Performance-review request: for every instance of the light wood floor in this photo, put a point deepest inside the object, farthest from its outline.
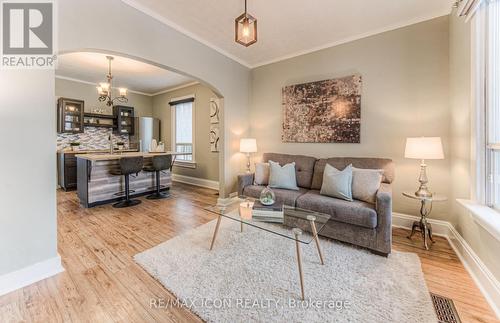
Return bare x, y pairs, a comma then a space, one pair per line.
102, 283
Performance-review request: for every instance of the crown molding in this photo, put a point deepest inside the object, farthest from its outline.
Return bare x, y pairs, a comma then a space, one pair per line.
176, 88
356, 37
62, 77
183, 31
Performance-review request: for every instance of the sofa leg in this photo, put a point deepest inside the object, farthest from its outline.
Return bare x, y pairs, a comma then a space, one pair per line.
379, 253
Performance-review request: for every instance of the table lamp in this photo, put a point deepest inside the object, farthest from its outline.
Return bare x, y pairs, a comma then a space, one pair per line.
248, 146
424, 148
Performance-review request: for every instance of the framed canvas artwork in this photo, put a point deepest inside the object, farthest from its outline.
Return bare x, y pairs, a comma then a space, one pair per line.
326, 111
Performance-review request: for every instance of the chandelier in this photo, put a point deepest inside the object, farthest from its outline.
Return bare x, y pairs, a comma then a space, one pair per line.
245, 29
105, 90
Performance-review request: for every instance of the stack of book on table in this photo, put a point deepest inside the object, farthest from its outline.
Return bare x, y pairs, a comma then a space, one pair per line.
267, 213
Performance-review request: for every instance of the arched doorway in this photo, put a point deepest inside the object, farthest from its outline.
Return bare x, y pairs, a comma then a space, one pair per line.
83, 62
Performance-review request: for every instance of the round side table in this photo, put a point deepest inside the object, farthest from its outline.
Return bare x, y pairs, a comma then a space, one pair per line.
425, 210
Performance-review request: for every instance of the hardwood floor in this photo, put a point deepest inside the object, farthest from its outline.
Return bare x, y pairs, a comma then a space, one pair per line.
102, 283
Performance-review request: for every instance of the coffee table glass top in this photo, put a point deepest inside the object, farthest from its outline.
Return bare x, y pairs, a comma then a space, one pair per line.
241, 211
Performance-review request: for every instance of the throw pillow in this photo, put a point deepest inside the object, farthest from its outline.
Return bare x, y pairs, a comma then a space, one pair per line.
282, 176
337, 183
261, 174
365, 183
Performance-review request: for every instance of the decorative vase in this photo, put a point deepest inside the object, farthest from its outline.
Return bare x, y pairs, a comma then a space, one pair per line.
267, 196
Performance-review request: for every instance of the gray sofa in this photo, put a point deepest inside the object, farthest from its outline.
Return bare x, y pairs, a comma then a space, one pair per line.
359, 223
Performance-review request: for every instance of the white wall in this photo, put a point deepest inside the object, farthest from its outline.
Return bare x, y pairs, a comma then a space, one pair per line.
404, 94
28, 232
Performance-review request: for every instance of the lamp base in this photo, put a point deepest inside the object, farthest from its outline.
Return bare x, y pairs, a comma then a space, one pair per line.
423, 191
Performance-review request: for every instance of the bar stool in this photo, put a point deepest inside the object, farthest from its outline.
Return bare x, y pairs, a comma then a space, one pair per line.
159, 164
128, 166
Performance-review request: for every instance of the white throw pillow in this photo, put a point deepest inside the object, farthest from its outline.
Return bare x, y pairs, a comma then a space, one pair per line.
282, 176
365, 183
261, 174
337, 183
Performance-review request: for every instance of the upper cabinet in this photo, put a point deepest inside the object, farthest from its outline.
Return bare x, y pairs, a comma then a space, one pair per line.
124, 118
70, 115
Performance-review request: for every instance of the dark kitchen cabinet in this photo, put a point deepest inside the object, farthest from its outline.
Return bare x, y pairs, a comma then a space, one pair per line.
66, 168
124, 120
70, 115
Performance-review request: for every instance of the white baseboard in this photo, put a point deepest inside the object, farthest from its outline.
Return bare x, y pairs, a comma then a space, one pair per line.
226, 201
201, 182
29, 275
482, 276
439, 228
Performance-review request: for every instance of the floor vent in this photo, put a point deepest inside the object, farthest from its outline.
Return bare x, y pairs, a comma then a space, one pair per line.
445, 310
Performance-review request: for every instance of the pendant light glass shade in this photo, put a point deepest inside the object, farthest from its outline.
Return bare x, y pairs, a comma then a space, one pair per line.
246, 29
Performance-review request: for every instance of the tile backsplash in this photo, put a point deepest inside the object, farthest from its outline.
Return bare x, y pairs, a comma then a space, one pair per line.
93, 138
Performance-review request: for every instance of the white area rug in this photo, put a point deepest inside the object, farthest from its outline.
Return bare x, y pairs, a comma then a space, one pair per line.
253, 276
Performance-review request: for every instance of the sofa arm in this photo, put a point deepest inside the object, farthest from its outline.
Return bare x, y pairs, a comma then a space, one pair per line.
384, 205
244, 181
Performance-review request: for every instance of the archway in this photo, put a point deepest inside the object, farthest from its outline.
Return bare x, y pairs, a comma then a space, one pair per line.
213, 89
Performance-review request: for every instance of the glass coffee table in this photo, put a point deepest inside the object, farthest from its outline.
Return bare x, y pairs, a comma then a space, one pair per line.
295, 222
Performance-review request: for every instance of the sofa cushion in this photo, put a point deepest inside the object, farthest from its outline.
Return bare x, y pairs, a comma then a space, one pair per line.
282, 176
287, 197
342, 162
304, 166
365, 183
356, 212
261, 174
337, 183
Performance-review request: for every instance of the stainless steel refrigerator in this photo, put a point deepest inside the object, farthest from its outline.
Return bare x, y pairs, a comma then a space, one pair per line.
146, 129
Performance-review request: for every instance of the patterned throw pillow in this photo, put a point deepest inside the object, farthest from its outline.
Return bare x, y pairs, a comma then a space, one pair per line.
261, 174
365, 183
337, 183
282, 177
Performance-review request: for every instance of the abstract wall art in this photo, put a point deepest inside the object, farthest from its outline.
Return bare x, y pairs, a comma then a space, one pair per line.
326, 111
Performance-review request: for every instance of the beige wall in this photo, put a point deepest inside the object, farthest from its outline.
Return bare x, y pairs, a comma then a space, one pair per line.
405, 93
28, 232
207, 162
482, 242
143, 104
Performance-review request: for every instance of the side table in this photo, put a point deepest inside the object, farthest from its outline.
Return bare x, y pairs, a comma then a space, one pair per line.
425, 210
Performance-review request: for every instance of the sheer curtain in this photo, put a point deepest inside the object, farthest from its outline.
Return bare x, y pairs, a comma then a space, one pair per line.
493, 102
184, 130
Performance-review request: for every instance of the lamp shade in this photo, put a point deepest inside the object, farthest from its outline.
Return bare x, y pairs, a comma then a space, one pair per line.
424, 148
248, 145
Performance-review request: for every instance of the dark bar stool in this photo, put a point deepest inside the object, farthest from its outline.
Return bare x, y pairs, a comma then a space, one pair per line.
128, 166
159, 164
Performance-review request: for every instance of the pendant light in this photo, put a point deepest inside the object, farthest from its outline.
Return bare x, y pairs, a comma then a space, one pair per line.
245, 29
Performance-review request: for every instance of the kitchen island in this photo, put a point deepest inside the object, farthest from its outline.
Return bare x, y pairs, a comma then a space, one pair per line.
97, 185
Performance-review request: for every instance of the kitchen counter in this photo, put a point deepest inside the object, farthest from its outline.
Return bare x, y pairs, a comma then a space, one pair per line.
102, 151
118, 155
97, 185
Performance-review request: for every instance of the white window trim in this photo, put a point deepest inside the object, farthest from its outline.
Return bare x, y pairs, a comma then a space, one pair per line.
478, 113
482, 214
184, 163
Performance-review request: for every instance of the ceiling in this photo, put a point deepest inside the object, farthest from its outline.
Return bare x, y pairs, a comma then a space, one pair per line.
131, 74
288, 28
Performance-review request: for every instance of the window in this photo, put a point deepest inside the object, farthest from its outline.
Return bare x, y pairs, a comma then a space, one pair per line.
183, 128
492, 100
